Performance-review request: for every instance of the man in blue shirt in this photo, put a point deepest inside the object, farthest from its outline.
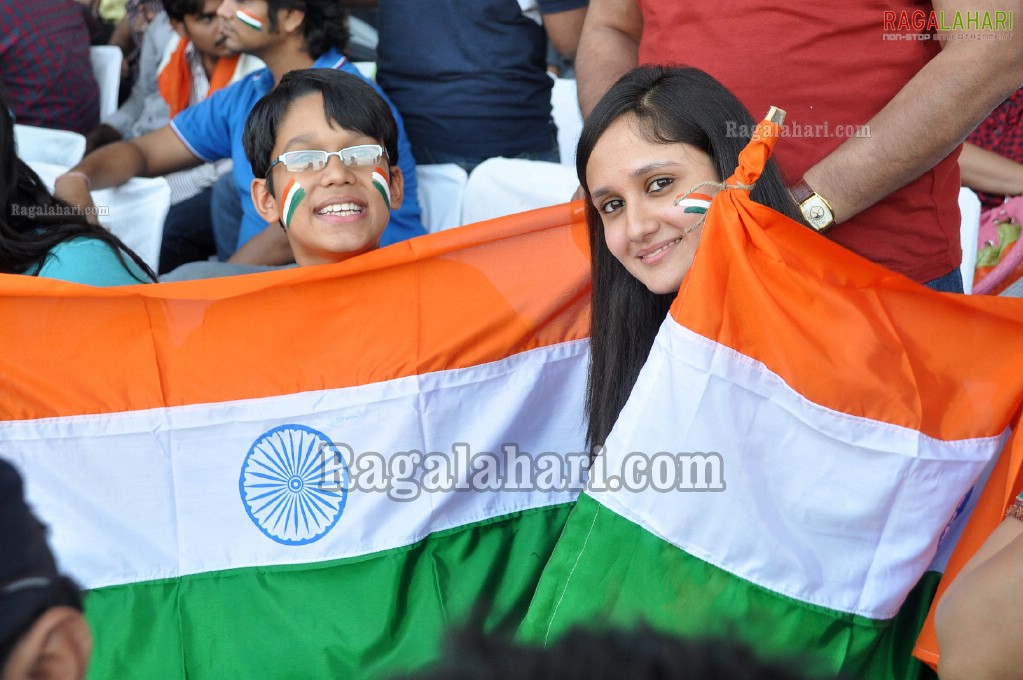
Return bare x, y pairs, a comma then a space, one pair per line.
285, 38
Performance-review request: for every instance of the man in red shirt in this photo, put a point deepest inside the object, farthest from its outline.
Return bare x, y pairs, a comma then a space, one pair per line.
877, 110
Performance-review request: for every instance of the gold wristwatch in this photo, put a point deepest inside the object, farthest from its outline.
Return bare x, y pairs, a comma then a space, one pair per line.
815, 207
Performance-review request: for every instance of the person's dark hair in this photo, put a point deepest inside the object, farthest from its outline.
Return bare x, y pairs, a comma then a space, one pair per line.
583, 655
30, 601
348, 101
32, 221
671, 105
29, 581
179, 9
324, 25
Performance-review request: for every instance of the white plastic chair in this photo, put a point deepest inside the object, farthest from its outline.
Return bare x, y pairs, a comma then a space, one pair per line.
367, 68
565, 111
969, 210
60, 147
441, 190
106, 67
136, 210
505, 186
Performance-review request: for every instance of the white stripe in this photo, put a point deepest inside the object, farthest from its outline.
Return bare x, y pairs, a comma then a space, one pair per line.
830, 509
693, 203
251, 22
155, 494
294, 189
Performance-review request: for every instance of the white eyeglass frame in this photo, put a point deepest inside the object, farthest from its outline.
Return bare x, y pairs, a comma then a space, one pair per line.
345, 155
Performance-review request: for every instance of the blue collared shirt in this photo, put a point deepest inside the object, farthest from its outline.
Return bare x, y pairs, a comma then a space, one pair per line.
212, 129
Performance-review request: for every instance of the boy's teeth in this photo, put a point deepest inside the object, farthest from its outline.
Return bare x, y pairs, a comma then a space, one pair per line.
340, 209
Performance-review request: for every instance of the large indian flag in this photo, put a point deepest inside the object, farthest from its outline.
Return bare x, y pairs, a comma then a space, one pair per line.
803, 434
238, 469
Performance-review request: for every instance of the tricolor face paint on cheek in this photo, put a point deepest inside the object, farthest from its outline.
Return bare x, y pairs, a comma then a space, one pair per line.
694, 203
382, 185
292, 196
249, 20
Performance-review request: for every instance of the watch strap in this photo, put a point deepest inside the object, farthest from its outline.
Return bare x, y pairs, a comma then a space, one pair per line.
815, 208
801, 191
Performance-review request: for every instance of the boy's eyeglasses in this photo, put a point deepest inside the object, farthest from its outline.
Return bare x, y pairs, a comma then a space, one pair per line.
364, 155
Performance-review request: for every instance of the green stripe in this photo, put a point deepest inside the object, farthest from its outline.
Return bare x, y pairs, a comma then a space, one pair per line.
293, 200
607, 570
357, 617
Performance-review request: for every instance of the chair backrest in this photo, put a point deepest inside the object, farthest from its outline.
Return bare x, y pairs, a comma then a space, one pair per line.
60, 147
505, 186
106, 67
367, 68
441, 189
565, 110
969, 211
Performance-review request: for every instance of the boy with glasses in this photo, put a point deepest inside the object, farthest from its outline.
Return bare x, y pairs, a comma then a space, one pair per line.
324, 151
286, 35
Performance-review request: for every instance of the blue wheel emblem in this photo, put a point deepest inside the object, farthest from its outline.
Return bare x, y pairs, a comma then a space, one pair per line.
294, 484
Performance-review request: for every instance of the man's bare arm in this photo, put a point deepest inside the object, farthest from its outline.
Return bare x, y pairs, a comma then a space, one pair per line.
926, 120
564, 29
986, 171
608, 47
151, 155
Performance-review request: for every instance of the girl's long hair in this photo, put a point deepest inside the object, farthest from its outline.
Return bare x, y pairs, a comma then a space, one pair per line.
672, 105
33, 222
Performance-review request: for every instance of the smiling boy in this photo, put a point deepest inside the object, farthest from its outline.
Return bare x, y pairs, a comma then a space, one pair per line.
323, 146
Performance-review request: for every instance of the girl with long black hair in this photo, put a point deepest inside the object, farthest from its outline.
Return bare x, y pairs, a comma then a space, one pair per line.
657, 133
43, 236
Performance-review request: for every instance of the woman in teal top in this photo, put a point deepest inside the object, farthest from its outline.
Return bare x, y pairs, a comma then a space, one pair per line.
42, 236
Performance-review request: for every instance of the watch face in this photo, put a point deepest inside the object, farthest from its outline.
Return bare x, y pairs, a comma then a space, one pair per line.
817, 213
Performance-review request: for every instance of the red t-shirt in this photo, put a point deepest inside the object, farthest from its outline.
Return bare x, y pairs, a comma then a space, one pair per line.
830, 68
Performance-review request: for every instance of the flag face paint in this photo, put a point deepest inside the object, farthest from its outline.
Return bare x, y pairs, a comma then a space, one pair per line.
382, 185
292, 196
249, 20
697, 204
